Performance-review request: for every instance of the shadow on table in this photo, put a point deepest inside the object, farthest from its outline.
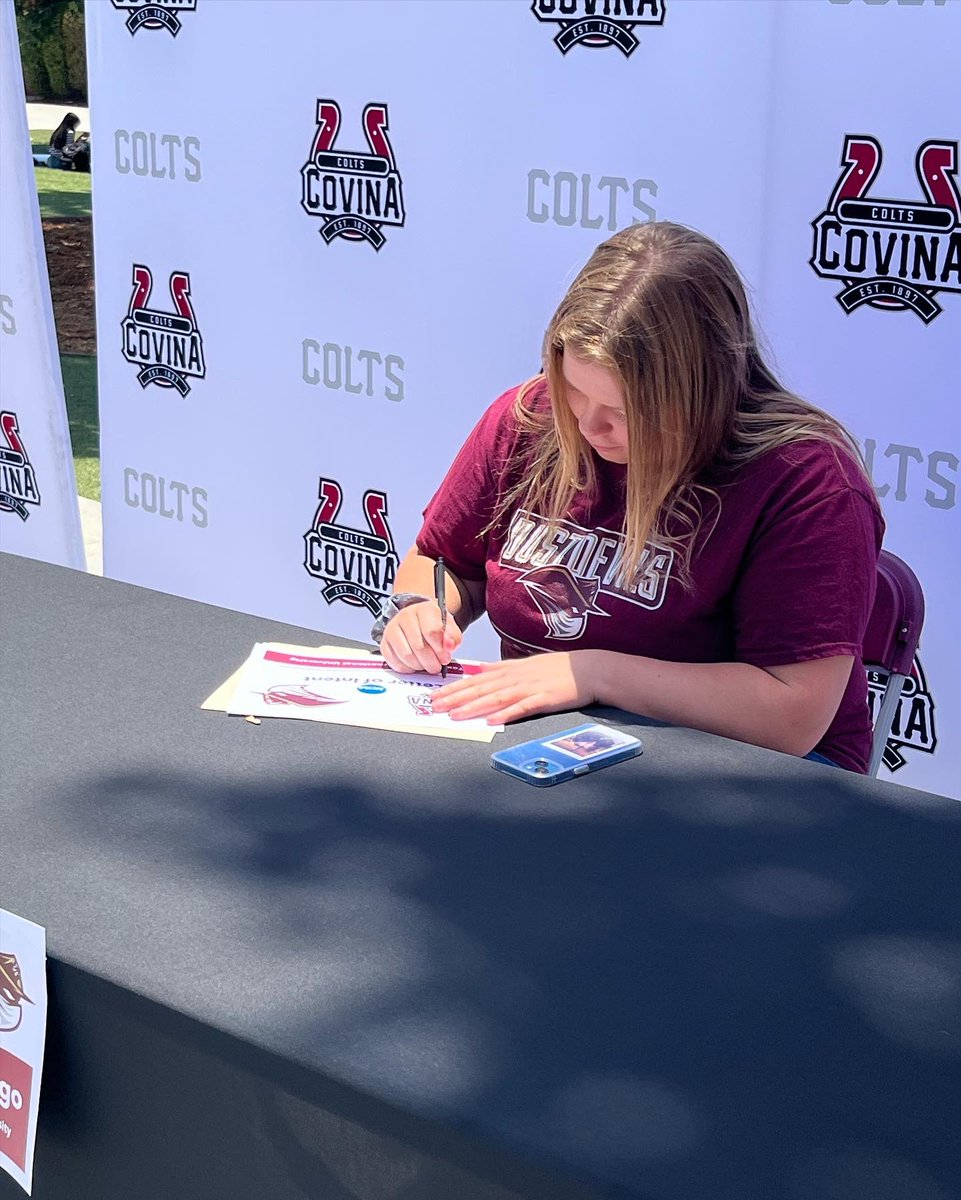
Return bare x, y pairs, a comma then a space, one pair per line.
728, 988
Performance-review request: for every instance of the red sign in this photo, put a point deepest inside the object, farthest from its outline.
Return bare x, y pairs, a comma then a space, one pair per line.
16, 1079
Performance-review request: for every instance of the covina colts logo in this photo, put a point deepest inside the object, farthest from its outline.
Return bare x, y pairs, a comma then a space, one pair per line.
913, 724
155, 14
354, 193
167, 346
891, 254
357, 566
18, 483
599, 23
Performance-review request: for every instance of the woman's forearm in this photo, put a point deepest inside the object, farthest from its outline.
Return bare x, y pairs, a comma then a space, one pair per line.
789, 710
465, 600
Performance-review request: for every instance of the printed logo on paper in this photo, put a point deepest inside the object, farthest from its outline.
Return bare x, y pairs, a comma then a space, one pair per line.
297, 693
891, 254
155, 14
18, 481
599, 23
165, 344
355, 193
913, 727
12, 995
356, 566
567, 571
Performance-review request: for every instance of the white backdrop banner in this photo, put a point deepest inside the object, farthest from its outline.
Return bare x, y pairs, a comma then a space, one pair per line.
307, 297
861, 298
39, 514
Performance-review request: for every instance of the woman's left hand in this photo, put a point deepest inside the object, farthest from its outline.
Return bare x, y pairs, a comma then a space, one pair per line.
520, 687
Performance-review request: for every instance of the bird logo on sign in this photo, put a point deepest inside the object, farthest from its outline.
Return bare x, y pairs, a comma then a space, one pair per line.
12, 995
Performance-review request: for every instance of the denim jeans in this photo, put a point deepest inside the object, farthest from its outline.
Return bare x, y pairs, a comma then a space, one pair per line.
815, 757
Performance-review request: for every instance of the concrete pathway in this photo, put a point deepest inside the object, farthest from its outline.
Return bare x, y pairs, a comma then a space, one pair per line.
49, 116
92, 525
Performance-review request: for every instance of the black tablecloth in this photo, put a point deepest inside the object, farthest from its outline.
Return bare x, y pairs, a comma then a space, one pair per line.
292, 960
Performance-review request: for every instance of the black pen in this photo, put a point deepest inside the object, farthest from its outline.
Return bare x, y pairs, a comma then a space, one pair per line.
440, 592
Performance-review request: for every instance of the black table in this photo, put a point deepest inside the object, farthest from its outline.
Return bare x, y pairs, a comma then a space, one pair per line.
294, 961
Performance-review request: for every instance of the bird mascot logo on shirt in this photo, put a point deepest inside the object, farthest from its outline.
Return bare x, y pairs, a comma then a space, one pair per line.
167, 346
891, 254
564, 601
155, 14
356, 565
599, 23
18, 481
353, 192
567, 571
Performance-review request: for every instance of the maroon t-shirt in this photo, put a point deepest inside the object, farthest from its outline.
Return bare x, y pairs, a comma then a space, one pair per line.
786, 575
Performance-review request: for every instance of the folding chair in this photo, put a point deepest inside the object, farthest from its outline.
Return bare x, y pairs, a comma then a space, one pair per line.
891, 641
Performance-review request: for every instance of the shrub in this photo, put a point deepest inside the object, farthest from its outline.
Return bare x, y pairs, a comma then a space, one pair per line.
35, 81
54, 60
74, 48
52, 48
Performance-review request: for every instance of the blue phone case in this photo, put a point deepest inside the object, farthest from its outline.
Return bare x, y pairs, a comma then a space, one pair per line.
561, 756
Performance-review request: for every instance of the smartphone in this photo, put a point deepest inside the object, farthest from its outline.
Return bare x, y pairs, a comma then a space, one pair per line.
560, 756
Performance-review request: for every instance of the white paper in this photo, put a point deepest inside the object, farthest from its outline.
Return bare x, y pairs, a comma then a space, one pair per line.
280, 681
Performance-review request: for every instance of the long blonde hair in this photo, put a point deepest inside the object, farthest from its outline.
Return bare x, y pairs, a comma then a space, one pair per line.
663, 307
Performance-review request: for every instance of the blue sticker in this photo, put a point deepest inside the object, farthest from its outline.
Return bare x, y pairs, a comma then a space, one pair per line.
372, 689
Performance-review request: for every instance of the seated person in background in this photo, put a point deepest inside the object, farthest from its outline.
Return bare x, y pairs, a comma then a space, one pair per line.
654, 523
63, 137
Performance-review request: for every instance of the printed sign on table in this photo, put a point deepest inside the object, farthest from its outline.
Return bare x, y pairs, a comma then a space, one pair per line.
23, 1026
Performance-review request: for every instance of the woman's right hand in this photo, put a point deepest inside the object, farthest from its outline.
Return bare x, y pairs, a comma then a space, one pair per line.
415, 640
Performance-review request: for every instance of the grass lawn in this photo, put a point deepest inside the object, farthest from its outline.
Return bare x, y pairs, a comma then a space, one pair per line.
62, 193
80, 390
